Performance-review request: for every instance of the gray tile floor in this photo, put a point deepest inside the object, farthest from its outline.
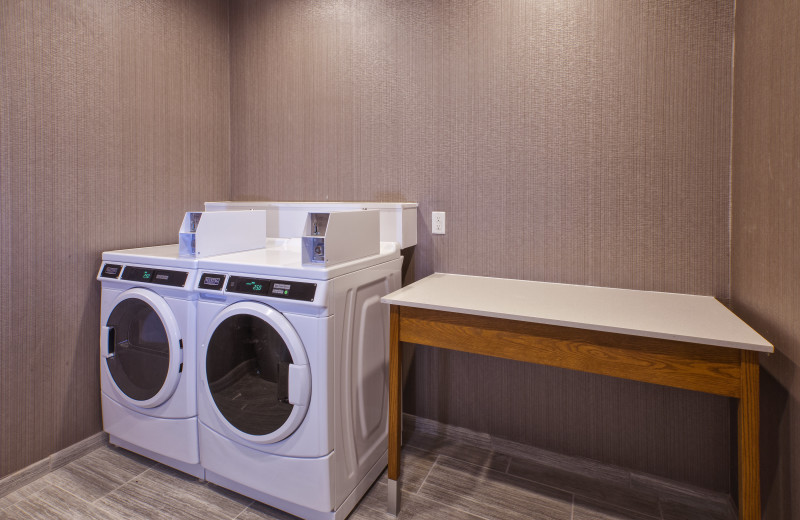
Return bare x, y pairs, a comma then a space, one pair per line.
447, 473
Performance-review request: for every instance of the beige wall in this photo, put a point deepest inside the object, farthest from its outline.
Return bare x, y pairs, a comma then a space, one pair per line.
114, 120
766, 228
569, 141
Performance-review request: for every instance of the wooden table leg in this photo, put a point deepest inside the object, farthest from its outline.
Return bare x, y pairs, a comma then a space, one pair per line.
395, 409
749, 484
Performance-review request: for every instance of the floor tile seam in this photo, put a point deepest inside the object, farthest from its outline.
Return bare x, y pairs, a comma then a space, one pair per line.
382, 510
625, 483
122, 485
368, 507
363, 508
454, 433
474, 512
211, 487
537, 482
105, 509
8, 505
480, 503
568, 460
33, 495
80, 499
487, 466
47, 483
437, 455
10, 508
658, 503
623, 508
729, 505
466, 442
688, 499
513, 452
90, 504
572, 491
576, 495
148, 464
240, 513
672, 489
452, 440
426, 475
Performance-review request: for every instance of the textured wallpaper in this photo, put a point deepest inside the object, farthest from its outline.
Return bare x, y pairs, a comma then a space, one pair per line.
765, 263
114, 120
582, 142
568, 141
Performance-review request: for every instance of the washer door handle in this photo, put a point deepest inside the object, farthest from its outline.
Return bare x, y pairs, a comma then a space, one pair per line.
299, 384
106, 342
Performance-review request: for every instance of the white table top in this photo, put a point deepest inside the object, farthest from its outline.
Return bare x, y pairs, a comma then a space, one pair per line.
682, 317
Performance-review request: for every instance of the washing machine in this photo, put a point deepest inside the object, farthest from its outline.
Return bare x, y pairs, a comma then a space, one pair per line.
148, 354
148, 327
293, 376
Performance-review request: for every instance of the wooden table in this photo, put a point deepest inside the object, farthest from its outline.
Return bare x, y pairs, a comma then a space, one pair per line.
678, 340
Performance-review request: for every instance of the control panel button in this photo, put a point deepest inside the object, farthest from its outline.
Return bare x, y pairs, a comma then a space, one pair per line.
293, 290
172, 278
111, 271
212, 281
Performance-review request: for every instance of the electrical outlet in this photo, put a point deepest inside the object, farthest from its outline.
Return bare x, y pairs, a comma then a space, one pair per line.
437, 223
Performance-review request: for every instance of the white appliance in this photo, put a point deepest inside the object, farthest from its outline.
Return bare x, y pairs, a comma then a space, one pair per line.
148, 354
293, 374
148, 326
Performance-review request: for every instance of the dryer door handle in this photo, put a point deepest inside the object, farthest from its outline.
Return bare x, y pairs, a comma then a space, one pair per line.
299, 384
106, 342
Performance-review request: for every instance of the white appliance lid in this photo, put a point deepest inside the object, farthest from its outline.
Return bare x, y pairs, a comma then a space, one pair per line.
287, 262
161, 256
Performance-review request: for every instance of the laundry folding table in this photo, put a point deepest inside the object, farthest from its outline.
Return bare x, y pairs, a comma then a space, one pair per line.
678, 340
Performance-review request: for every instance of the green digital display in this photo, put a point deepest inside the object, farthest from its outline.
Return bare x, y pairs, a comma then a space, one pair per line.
256, 286
139, 274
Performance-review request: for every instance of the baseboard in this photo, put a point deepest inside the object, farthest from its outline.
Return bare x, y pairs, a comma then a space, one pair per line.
11, 483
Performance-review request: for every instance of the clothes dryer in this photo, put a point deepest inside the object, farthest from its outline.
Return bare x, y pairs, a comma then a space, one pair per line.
293, 376
148, 354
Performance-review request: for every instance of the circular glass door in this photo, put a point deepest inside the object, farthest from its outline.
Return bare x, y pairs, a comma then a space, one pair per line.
143, 347
257, 372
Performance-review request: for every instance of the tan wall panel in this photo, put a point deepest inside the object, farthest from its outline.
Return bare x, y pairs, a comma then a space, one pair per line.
568, 141
765, 263
114, 120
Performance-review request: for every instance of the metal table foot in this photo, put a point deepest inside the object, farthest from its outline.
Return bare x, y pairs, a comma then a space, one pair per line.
393, 500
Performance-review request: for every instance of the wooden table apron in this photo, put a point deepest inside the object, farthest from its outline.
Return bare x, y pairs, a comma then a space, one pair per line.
716, 370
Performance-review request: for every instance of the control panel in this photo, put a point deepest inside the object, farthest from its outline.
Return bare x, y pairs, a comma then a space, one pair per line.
147, 275
289, 290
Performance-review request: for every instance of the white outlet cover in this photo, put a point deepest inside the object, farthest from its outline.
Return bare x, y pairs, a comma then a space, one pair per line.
437, 223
